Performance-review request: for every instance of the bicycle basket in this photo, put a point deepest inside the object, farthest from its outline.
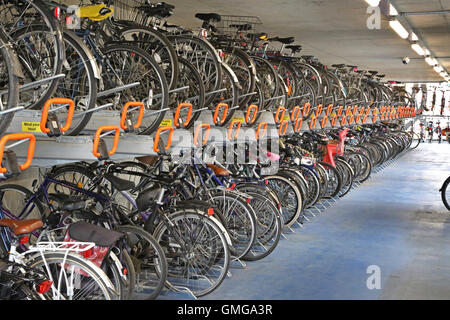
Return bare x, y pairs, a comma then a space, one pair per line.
232, 25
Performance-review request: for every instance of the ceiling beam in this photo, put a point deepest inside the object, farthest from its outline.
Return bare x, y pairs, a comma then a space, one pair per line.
422, 13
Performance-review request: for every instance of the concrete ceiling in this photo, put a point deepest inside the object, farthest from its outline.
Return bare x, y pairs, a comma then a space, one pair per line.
336, 31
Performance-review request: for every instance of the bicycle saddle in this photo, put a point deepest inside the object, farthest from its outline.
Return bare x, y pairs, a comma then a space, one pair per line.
96, 12
147, 197
162, 9
294, 47
287, 40
241, 27
260, 36
88, 232
218, 170
118, 183
208, 17
19, 227
373, 72
338, 66
308, 57
68, 202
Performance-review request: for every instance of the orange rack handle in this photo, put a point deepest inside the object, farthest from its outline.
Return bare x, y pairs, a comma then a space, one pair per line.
298, 125
197, 132
343, 121
224, 114
283, 128
231, 127
97, 140
123, 118
19, 136
329, 110
278, 118
177, 113
312, 122
158, 133
339, 111
295, 114
324, 121
46, 109
306, 108
249, 112
319, 110
258, 133
334, 120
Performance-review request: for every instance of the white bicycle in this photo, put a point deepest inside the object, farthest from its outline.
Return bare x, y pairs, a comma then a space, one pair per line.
68, 275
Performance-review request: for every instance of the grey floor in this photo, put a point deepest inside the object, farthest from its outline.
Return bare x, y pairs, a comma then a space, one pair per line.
395, 221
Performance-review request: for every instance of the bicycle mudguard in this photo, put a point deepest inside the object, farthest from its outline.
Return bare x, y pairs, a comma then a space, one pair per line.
15, 64
91, 59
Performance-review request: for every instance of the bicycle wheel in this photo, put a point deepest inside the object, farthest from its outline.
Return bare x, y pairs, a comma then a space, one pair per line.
445, 193
196, 250
230, 95
289, 194
159, 47
204, 57
125, 64
37, 40
334, 180
268, 226
80, 83
9, 83
239, 220
347, 173
195, 94
245, 70
17, 203
73, 277
149, 262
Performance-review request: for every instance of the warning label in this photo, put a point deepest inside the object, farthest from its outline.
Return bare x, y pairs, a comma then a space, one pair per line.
31, 126
240, 119
166, 123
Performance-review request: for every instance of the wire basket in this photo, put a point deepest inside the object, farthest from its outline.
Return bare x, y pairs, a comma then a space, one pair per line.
228, 24
130, 10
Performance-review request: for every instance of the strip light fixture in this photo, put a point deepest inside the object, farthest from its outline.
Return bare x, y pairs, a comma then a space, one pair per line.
438, 69
418, 49
399, 29
403, 33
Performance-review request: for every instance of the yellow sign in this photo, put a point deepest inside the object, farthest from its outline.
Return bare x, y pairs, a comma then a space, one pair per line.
286, 118
31, 126
166, 123
240, 119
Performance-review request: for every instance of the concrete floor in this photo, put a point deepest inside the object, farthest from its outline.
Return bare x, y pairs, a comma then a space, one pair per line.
395, 221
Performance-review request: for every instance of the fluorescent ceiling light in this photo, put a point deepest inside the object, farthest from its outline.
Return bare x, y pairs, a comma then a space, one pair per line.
373, 3
438, 69
418, 49
399, 29
414, 37
443, 74
431, 61
392, 10
427, 52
